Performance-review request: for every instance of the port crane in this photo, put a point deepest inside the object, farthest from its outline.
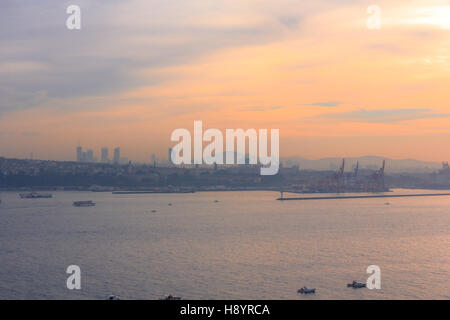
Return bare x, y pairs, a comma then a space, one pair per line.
378, 179
356, 170
381, 176
341, 176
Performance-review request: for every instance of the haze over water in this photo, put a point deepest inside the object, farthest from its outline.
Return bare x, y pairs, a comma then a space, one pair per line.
247, 246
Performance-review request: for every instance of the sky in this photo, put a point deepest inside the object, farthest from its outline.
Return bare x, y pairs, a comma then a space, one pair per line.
139, 69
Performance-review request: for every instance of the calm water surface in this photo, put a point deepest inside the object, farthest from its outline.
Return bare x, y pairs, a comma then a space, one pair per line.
247, 246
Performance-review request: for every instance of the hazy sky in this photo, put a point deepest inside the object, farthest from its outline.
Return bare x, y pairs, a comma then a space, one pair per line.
138, 69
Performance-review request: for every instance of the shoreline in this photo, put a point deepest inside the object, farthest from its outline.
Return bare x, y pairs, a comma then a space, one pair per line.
182, 190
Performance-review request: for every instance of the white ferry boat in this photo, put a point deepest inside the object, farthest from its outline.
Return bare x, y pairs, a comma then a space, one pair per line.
35, 195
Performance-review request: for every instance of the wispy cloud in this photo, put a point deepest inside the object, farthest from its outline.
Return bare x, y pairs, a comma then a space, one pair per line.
385, 115
262, 109
324, 104
30, 134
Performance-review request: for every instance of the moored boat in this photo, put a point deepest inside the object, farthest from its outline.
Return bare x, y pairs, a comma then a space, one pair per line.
35, 195
306, 290
88, 203
356, 284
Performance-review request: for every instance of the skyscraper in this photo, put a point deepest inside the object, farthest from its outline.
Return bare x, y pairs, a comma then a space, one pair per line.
117, 155
79, 154
105, 155
90, 156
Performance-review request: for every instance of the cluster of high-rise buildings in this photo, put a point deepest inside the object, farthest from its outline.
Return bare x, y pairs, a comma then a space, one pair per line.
88, 156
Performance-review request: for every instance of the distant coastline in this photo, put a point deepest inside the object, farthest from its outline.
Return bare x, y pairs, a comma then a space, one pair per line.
36, 175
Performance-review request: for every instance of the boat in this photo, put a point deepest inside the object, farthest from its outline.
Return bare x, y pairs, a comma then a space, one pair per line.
88, 203
171, 297
35, 195
306, 290
356, 284
112, 297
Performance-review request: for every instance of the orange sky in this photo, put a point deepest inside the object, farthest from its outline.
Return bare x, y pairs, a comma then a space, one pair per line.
332, 86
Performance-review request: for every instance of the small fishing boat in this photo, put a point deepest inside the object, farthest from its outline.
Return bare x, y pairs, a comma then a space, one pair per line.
171, 297
356, 285
88, 203
306, 290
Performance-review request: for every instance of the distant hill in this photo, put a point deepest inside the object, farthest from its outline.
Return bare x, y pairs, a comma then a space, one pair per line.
366, 162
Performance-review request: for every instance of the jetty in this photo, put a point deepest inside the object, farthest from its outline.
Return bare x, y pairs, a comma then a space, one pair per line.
367, 196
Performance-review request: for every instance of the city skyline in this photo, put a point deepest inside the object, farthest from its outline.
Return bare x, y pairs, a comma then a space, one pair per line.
89, 156
369, 162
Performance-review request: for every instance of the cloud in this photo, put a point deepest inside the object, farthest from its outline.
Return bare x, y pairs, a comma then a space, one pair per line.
25, 133
388, 48
12, 99
385, 115
291, 22
119, 39
263, 109
30, 134
324, 104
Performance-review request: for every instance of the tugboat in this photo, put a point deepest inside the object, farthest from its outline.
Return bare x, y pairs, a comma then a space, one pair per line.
356, 285
88, 203
35, 195
306, 290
